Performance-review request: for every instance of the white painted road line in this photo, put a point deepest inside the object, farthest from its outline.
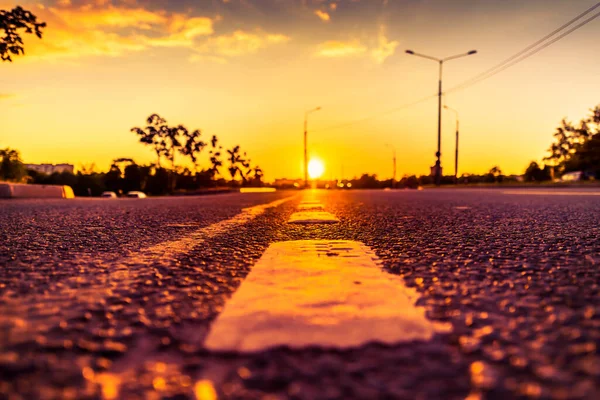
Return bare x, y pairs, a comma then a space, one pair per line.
120, 273
310, 206
172, 248
323, 293
312, 217
551, 193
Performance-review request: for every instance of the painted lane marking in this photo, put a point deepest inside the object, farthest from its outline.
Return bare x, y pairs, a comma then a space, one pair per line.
551, 193
312, 217
327, 293
181, 246
24, 319
310, 206
258, 190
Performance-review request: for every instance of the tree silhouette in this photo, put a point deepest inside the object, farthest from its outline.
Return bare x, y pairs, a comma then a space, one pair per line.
87, 169
595, 117
113, 179
172, 140
167, 140
494, 175
12, 22
192, 145
235, 162
121, 162
587, 158
535, 173
258, 173
561, 148
215, 156
11, 166
154, 134
571, 150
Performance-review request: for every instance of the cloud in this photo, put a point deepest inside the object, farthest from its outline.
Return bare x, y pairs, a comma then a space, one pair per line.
240, 43
385, 48
110, 17
104, 28
334, 48
378, 51
184, 32
83, 31
322, 15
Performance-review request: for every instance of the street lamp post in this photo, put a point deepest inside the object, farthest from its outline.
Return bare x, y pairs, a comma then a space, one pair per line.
306, 144
394, 164
438, 163
456, 145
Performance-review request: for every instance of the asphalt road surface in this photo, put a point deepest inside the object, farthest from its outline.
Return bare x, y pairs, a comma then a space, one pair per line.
115, 298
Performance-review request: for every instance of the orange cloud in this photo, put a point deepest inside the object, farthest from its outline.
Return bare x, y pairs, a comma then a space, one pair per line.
322, 15
81, 32
385, 47
240, 43
334, 48
90, 18
184, 31
119, 30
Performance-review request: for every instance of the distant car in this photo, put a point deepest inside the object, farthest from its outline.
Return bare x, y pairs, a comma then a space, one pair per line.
136, 195
574, 176
109, 195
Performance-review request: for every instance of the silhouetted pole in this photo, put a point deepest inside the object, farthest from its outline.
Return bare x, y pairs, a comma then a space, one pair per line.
456, 156
306, 144
394, 164
438, 154
456, 146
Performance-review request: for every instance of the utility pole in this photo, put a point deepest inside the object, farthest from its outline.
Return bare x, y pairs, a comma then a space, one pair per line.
393, 164
438, 154
306, 144
456, 156
456, 145
394, 176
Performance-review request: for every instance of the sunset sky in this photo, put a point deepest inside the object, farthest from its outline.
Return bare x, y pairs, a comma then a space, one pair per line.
246, 70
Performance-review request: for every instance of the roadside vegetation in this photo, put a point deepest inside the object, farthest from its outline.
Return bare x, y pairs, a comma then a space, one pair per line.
179, 154
13, 23
576, 147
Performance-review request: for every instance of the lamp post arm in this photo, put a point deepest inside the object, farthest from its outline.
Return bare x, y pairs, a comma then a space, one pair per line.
423, 56
459, 55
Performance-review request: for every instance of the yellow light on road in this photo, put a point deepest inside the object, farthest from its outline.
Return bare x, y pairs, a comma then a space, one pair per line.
316, 168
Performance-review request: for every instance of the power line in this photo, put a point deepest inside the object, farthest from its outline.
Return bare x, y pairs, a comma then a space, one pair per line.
526, 53
509, 62
379, 114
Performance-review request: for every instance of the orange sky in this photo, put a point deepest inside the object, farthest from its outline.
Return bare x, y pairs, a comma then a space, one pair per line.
246, 70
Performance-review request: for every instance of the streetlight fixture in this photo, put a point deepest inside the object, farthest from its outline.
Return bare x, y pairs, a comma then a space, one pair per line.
394, 162
456, 145
306, 144
438, 164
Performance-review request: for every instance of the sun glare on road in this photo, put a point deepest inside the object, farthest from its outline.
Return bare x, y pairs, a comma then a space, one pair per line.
316, 168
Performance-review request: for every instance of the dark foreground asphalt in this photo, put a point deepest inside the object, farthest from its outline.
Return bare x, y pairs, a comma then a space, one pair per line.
517, 276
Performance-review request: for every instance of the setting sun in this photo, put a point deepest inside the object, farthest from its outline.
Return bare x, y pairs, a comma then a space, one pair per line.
316, 168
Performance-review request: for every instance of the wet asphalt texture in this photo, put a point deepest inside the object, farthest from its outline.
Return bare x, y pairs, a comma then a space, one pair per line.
517, 276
